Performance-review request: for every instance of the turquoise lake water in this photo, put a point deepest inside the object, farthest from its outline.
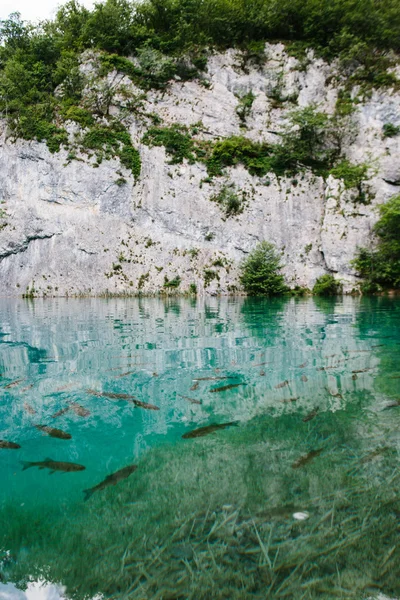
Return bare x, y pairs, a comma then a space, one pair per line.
297, 498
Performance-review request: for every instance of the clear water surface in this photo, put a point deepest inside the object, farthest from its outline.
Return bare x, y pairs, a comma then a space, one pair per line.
297, 498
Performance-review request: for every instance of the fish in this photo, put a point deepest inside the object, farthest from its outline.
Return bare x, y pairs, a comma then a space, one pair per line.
155, 374
304, 378
311, 415
262, 364
65, 387
334, 394
13, 384
29, 409
201, 431
53, 432
373, 454
393, 404
111, 395
209, 378
140, 404
191, 400
194, 386
262, 373
60, 412
362, 370
354, 376
395, 377
124, 374
79, 410
53, 465
306, 458
321, 369
303, 365
28, 387
289, 400
9, 445
227, 387
110, 480
281, 385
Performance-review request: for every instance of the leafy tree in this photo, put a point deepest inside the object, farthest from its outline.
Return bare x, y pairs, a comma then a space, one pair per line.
260, 271
381, 267
326, 285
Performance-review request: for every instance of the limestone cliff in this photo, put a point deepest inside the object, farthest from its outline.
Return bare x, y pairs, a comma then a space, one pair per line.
67, 228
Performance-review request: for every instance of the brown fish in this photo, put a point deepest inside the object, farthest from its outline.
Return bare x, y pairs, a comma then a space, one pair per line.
362, 370
227, 387
281, 385
54, 465
262, 364
111, 395
28, 387
13, 384
373, 454
29, 409
209, 378
191, 400
354, 376
304, 378
303, 460
395, 377
289, 400
194, 386
79, 410
124, 374
201, 431
140, 404
53, 432
110, 480
65, 387
393, 404
311, 415
303, 365
9, 445
60, 412
262, 373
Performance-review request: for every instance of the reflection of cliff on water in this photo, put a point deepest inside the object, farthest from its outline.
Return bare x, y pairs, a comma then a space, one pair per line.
211, 516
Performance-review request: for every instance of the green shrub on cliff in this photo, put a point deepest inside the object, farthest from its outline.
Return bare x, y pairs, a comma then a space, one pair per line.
327, 285
380, 267
260, 271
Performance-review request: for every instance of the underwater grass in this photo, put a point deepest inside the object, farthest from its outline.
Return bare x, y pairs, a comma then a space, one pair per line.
213, 517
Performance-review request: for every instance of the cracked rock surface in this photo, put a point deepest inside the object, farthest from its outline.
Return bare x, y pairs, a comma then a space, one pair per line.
67, 228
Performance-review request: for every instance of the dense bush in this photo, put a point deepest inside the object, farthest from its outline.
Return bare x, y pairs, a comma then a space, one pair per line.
326, 285
390, 130
260, 271
229, 201
380, 268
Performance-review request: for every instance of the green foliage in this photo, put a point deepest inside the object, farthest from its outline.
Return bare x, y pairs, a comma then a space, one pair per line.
111, 142
381, 267
260, 271
390, 130
176, 139
244, 108
326, 285
172, 283
256, 157
192, 288
209, 276
352, 176
78, 115
229, 201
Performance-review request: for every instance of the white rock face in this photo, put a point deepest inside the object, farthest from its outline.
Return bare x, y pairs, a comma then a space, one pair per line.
67, 228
